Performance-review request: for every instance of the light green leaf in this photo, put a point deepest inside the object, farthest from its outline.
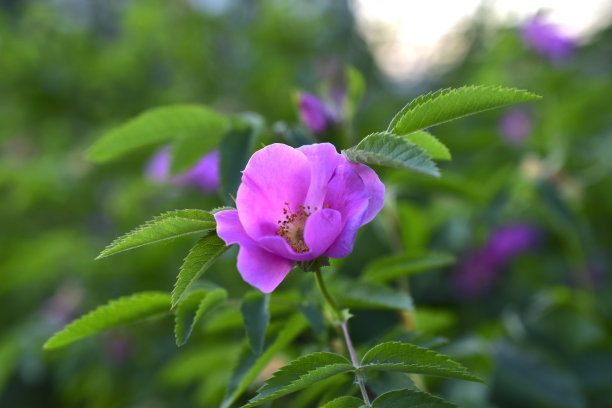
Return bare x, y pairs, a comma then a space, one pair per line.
448, 104
235, 151
172, 224
191, 308
388, 149
432, 146
256, 317
391, 267
189, 149
299, 374
408, 358
345, 402
115, 313
359, 295
410, 398
355, 88
201, 257
250, 364
155, 126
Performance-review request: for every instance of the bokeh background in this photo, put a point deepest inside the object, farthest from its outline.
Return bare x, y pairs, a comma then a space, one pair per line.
524, 206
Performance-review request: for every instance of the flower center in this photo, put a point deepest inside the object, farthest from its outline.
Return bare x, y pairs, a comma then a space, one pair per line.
291, 228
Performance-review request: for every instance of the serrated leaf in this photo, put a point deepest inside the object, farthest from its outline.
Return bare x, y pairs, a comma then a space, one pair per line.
117, 312
432, 146
448, 104
410, 398
408, 358
201, 257
191, 308
235, 151
345, 402
390, 150
391, 267
172, 224
155, 126
359, 295
256, 317
299, 374
250, 364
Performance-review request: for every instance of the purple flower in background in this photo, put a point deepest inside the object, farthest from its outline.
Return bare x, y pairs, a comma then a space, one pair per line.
515, 126
204, 174
315, 114
297, 205
478, 270
546, 39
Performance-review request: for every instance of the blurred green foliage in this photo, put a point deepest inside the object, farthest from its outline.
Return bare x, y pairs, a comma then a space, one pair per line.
541, 335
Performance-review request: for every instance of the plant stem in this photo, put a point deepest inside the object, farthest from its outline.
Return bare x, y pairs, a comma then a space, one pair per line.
347, 338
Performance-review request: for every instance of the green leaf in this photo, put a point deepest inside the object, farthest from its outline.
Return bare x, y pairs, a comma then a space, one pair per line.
155, 126
355, 88
250, 364
432, 146
408, 358
345, 402
314, 316
10, 355
359, 295
235, 151
191, 308
117, 312
172, 224
388, 149
410, 398
299, 374
391, 267
448, 104
189, 149
201, 257
256, 317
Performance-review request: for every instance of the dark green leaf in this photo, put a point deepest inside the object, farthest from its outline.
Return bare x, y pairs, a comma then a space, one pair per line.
191, 308
235, 151
315, 317
299, 374
392, 267
256, 317
432, 146
172, 224
115, 313
155, 126
410, 398
345, 402
203, 254
388, 149
408, 358
250, 364
448, 104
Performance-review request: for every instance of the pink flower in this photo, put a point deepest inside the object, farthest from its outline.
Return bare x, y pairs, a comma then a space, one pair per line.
547, 40
297, 205
315, 114
204, 174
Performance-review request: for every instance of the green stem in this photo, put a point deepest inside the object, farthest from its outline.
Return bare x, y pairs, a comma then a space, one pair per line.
347, 338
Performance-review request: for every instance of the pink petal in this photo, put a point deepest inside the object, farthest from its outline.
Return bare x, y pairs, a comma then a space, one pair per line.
257, 266
324, 159
375, 188
275, 175
230, 229
261, 268
347, 194
321, 230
